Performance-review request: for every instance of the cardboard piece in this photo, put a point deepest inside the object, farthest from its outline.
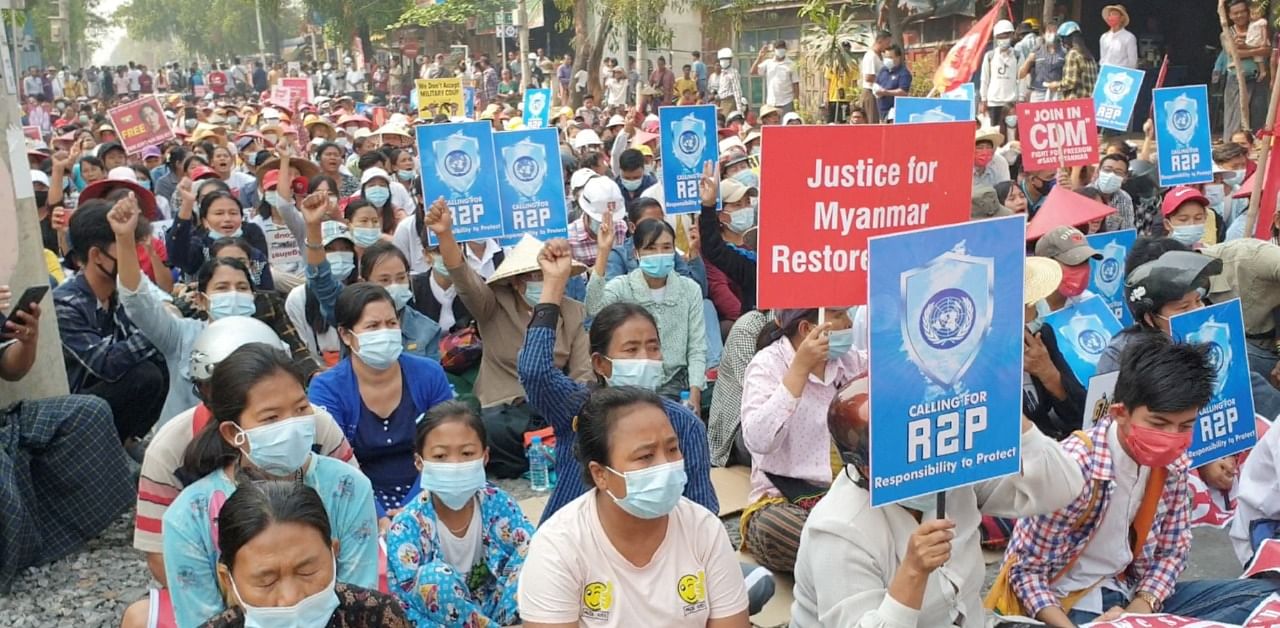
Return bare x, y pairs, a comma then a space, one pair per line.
733, 486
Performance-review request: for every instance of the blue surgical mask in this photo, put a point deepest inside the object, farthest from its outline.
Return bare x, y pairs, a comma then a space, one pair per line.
377, 195
742, 220
747, 177
455, 483
652, 492
1011, 121
1109, 182
533, 292
279, 448
438, 266
218, 235
642, 373
401, 294
840, 342
366, 236
380, 348
313, 610
341, 264
658, 265
1042, 310
1188, 234
405, 175
272, 198
146, 185
1233, 178
224, 304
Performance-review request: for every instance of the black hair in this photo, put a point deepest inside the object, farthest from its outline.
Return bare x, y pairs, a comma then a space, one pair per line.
354, 298
218, 245
228, 395
375, 253
896, 50
610, 319
143, 172
1227, 151
771, 332
92, 161
314, 184
648, 232
1002, 191
630, 159
1116, 157
371, 159
342, 152
1150, 249
177, 158
596, 419
256, 505
208, 200
1163, 375
883, 34
637, 207
356, 205
386, 213
89, 229
205, 274
1077, 42
447, 412
591, 160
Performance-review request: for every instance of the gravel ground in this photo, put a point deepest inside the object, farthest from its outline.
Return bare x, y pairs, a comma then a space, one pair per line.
90, 589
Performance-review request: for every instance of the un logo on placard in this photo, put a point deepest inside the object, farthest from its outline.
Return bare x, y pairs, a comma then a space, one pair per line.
1092, 342
1109, 269
947, 318
457, 163
1217, 356
689, 142
1182, 120
525, 169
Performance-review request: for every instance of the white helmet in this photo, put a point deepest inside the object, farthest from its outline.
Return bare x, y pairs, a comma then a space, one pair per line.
224, 336
1003, 27
586, 137
725, 53
328, 66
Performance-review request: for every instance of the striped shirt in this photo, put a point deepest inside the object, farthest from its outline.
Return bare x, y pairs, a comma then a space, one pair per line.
726, 399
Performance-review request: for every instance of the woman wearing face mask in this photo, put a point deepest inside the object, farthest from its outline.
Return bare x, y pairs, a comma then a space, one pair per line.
375, 187
162, 203
1186, 214
263, 427
799, 365
302, 304
723, 233
279, 219
377, 392
221, 216
675, 301
631, 551
502, 306
223, 162
1051, 395
456, 550
404, 167
278, 565
330, 157
625, 351
366, 224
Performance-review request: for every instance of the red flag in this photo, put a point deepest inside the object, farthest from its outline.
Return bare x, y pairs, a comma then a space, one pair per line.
966, 54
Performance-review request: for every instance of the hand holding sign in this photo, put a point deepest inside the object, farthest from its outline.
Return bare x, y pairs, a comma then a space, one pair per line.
1035, 360
60, 219
813, 349
929, 547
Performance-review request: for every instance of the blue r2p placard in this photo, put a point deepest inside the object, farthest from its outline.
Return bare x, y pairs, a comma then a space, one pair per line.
1107, 277
537, 108
963, 92
688, 139
457, 163
1083, 331
531, 183
468, 102
910, 110
1114, 96
946, 357
1225, 425
1182, 135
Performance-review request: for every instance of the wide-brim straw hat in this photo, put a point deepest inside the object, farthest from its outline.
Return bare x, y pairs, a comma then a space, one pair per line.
524, 259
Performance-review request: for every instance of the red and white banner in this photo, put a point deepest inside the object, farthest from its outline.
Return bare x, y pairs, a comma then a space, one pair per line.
1265, 560
829, 188
140, 124
963, 58
1210, 508
303, 92
32, 133
1057, 133
1157, 621
282, 96
1267, 614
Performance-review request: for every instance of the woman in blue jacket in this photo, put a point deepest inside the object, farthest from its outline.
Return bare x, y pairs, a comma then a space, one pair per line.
377, 392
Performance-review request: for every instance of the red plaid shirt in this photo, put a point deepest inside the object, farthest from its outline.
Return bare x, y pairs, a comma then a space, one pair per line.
1042, 546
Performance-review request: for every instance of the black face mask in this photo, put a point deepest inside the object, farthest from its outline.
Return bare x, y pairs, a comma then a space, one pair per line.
115, 266
42, 198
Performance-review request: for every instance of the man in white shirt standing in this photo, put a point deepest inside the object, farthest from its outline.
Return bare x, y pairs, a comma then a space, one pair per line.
1118, 46
725, 84
870, 67
781, 83
999, 90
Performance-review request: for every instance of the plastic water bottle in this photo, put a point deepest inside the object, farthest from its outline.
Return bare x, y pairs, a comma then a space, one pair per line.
688, 403
539, 479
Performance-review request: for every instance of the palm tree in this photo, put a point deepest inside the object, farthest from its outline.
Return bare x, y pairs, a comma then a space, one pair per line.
829, 39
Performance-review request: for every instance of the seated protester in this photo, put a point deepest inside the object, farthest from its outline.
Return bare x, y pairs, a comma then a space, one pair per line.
789, 384
263, 427
279, 564
1257, 516
375, 189
502, 306
278, 218
382, 264
1186, 217
632, 178
675, 301
724, 423
631, 551
222, 161
989, 166
48, 449
1112, 171
1120, 545
722, 234
455, 551
161, 479
302, 305
622, 256
435, 295
625, 351
484, 256
1009, 194
406, 188
105, 354
152, 254
598, 195
864, 566
377, 392
221, 216
1035, 186
365, 222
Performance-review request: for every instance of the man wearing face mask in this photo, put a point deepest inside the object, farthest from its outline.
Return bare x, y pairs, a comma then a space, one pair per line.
1186, 212
989, 167
1035, 186
725, 86
723, 233
633, 177
1044, 64
999, 89
1112, 172
1230, 161
781, 83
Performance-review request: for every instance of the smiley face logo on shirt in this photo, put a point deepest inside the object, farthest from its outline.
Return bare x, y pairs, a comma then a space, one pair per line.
598, 596
692, 589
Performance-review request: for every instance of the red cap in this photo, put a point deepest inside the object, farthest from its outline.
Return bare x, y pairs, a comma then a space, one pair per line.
1175, 198
202, 171
272, 179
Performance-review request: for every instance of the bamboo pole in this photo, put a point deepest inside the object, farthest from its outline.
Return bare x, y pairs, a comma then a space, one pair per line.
1255, 195
1229, 45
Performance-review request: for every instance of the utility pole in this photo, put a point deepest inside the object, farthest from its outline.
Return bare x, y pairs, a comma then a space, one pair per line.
262, 48
22, 257
522, 11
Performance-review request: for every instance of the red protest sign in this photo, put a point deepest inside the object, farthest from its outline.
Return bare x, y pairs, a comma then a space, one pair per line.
32, 132
1057, 133
1157, 620
140, 124
829, 188
301, 88
281, 96
1267, 615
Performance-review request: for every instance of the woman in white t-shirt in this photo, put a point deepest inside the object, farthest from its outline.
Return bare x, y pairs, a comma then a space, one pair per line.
631, 552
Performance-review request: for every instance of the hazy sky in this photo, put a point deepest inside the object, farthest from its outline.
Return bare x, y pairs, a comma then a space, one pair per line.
106, 8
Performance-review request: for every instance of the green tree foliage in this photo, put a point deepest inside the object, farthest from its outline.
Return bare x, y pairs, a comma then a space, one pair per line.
452, 15
84, 31
213, 28
344, 18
